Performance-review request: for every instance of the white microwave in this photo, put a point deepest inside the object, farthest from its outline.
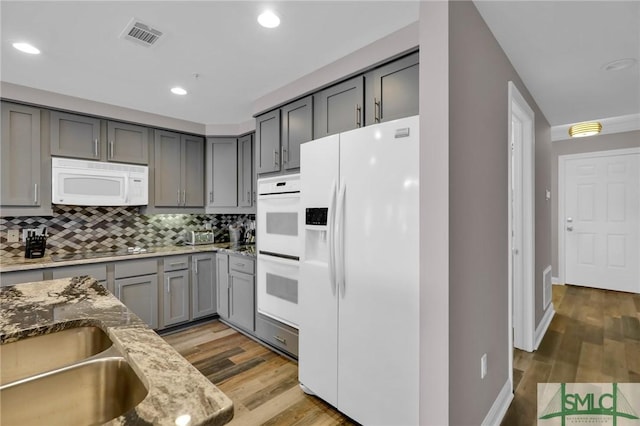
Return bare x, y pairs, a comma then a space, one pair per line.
95, 183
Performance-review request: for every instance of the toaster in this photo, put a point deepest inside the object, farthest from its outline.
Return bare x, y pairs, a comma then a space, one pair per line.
199, 237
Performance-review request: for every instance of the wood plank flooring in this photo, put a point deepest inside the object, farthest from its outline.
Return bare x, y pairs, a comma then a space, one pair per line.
262, 384
594, 337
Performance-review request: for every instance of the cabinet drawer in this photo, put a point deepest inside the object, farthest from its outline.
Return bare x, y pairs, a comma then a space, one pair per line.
242, 264
175, 263
99, 272
19, 277
277, 336
135, 268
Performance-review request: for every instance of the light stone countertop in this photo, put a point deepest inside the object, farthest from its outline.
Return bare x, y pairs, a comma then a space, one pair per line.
175, 387
11, 264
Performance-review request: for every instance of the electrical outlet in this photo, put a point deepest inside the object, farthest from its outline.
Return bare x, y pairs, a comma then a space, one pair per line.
13, 235
483, 366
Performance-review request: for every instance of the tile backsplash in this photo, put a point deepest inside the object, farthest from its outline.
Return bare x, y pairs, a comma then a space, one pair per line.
76, 228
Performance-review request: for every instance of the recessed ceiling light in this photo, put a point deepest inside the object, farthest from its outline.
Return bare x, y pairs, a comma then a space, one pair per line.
581, 130
178, 91
268, 19
27, 48
619, 64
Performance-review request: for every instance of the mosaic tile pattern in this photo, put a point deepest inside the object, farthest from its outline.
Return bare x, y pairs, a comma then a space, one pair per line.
76, 228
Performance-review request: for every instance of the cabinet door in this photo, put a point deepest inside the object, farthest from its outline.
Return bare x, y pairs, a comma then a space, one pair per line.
75, 136
140, 295
193, 171
223, 190
268, 142
297, 128
338, 108
20, 156
20, 277
222, 284
242, 308
203, 285
392, 90
127, 143
176, 297
167, 169
97, 271
245, 171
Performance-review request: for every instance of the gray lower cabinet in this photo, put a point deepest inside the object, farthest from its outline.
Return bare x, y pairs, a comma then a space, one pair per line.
203, 285
222, 284
297, 128
222, 172
74, 135
178, 170
277, 334
392, 90
246, 176
236, 290
19, 277
127, 143
339, 108
20, 158
175, 298
136, 285
267, 146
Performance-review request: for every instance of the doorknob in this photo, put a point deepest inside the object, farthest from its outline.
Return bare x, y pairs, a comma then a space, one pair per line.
569, 228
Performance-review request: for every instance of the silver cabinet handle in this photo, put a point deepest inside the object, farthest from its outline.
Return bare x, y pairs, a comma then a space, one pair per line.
168, 286
178, 197
110, 149
35, 193
178, 263
184, 197
254, 196
195, 266
285, 155
211, 196
95, 147
248, 196
358, 116
280, 339
275, 158
376, 105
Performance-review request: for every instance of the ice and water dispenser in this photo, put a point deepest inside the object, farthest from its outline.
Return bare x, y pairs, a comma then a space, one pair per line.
316, 231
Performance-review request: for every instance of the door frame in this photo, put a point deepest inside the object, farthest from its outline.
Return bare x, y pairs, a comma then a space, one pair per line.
521, 312
562, 164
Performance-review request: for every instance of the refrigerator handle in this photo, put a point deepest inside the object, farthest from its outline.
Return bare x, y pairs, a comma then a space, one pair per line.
331, 238
340, 243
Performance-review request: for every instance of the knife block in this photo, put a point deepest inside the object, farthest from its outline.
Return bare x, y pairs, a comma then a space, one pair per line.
35, 246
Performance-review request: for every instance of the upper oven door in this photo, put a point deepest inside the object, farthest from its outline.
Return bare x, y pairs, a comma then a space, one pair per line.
279, 224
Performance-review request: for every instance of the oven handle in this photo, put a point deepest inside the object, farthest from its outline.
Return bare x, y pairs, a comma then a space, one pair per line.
277, 259
331, 237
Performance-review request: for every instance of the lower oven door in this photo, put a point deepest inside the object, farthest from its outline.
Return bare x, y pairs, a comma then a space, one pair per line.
278, 288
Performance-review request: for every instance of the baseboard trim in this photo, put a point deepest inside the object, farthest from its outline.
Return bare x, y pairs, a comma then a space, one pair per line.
544, 325
500, 406
556, 281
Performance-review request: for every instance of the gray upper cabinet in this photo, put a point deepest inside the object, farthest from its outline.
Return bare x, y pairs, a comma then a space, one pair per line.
76, 136
192, 176
127, 143
392, 90
203, 285
339, 108
20, 156
267, 144
178, 170
297, 128
222, 156
245, 171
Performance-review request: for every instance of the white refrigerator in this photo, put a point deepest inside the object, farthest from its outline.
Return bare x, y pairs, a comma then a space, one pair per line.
359, 271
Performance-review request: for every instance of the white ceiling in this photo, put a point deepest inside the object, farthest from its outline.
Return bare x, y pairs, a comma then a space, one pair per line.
237, 60
558, 48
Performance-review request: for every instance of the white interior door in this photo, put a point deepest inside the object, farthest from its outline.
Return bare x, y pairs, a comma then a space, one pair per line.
601, 221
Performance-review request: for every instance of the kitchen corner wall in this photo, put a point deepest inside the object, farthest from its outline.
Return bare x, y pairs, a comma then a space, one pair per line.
76, 228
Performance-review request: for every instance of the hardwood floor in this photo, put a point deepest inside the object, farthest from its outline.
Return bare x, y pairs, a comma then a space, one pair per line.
262, 384
593, 337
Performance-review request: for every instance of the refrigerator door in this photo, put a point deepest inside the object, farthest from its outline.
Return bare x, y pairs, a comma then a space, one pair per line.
318, 302
378, 319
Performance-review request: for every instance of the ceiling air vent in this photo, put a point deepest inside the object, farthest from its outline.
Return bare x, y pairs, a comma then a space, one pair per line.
141, 33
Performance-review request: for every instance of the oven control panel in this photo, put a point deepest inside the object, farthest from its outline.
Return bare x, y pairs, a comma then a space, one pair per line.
316, 216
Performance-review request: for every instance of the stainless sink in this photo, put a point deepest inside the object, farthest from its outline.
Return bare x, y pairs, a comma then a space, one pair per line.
46, 352
88, 393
